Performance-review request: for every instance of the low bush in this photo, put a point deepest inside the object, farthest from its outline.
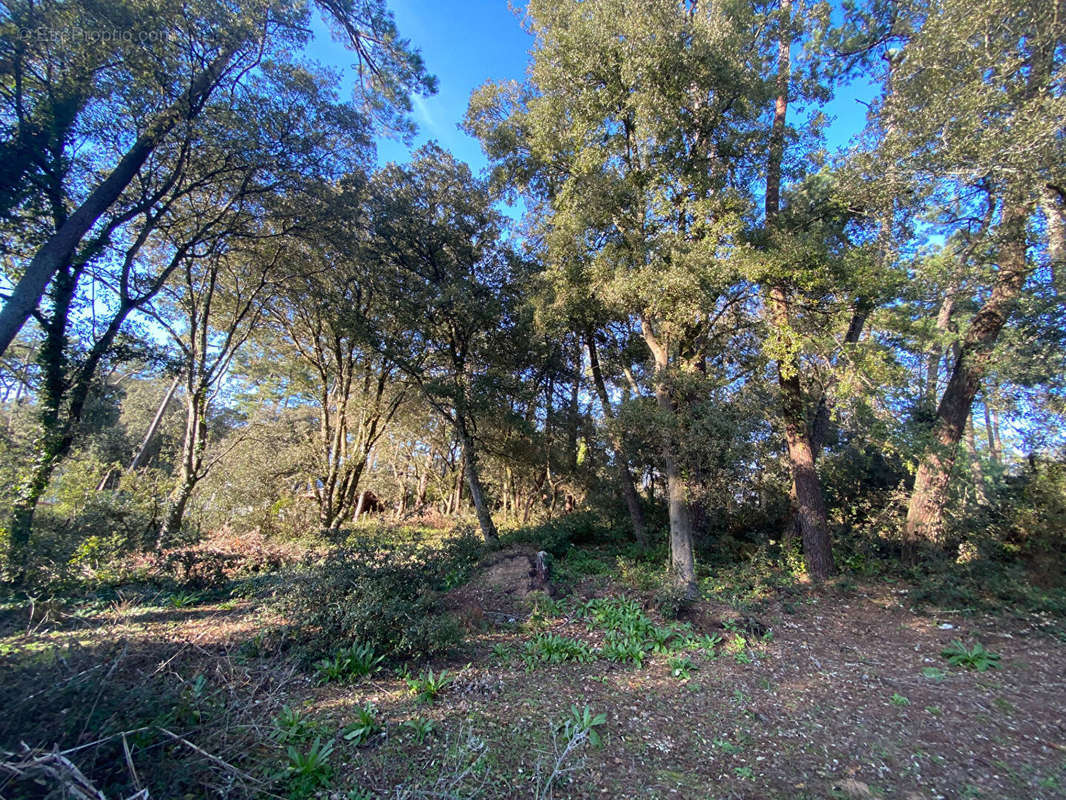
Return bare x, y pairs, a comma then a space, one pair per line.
386, 597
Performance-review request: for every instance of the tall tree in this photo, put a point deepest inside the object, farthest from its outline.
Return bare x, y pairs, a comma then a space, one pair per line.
149, 94
454, 282
976, 110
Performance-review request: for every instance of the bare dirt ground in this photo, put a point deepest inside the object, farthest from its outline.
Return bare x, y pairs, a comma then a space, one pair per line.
846, 696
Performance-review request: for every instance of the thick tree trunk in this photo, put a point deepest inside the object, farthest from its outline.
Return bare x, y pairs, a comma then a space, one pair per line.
682, 552
925, 511
810, 507
473, 482
625, 476
61, 246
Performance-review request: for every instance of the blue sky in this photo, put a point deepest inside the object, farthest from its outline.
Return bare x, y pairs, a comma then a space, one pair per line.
467, 42
464, 43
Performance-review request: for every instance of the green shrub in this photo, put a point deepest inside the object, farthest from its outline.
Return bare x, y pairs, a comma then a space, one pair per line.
385, 597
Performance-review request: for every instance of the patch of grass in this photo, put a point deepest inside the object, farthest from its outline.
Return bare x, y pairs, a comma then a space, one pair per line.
899, 700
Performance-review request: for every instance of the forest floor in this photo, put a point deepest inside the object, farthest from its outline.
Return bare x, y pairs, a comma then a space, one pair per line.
838, 691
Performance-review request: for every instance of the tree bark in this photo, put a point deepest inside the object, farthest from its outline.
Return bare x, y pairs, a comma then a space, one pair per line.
682, 552
142, 451
810, 506
61, 246
473, 482
925, 511
625, 476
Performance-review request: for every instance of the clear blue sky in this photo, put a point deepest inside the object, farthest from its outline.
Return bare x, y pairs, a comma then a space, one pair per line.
467, 42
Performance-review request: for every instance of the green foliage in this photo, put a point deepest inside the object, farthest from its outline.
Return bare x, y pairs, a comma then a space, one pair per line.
976, 657
673, 600
582, 723
364, 728
183, 599
681, 667
623, 648
349, 663
427, 685
307, 772
420, 727
551, 648
291, 725
384, 597
899, 700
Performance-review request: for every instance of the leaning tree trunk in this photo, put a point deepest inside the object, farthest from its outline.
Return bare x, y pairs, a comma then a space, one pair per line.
925, 511
625, 476
473, 482
60, 247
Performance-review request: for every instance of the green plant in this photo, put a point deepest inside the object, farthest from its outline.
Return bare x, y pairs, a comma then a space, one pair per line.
290, 725
977, 657
582, 723
183, 599
383, 595
899, 700
364, 728
623, 648
934, 673
421, 727
349, 663
551, 648
681, 667
427, 685
308, 772
745, 773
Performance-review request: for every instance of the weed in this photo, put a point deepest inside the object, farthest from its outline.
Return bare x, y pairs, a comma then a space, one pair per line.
551, 648
899, 700
365, 727
420, 728
681, 667
582, 723
934, 673
934, 710
623, 649
745, 773
349, 663
308, 772
290, 725
726, 746
183, 599
977, 657
428, 685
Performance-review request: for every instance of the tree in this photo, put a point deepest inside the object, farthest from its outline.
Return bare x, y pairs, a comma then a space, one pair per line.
630, 135
454, 283
149, 94
976, 112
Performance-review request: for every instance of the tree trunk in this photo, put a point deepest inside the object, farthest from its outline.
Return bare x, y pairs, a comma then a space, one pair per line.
810, 507
925, 511
625, 476
473, 482
682, 552
61, 246
142, 451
